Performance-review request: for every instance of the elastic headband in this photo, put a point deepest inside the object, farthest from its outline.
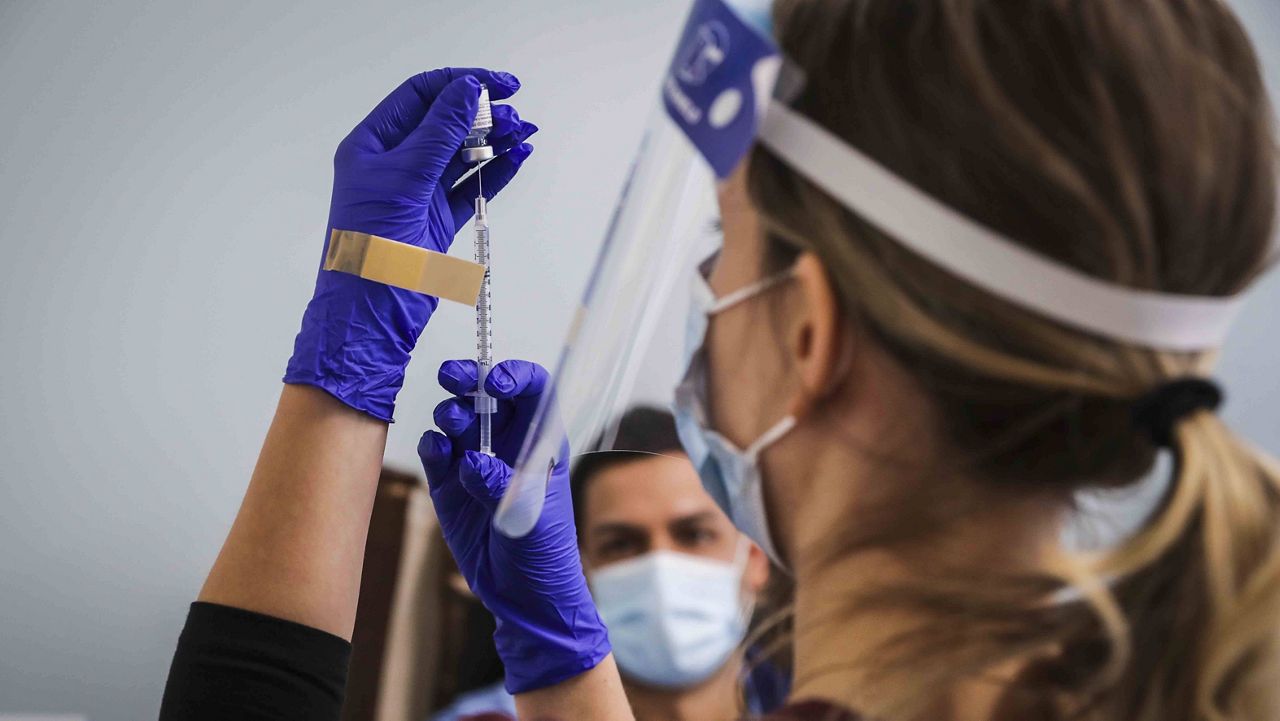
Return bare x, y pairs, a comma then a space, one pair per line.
985, 258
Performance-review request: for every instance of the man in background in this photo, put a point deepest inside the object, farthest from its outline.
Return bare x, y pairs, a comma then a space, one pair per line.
672, 578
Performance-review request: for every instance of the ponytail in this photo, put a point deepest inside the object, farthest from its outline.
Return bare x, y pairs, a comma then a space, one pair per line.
1200, 587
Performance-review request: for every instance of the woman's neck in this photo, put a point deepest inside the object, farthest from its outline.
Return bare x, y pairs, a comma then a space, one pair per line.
835, 648
715, 699
839, 650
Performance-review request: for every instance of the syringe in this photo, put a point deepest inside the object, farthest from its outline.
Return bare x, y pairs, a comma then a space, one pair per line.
476, 150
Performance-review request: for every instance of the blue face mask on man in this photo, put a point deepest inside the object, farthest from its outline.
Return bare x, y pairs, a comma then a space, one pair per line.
730, 475
674, 619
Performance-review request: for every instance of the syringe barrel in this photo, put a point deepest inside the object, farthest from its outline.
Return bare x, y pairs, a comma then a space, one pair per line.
484, 404
484, 307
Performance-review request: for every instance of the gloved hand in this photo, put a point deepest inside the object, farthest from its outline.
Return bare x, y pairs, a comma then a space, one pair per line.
547, 626
394, 177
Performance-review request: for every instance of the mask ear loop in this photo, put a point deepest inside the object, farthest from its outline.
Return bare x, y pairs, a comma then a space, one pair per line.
769, 437
741, 557
745, 293
720, 305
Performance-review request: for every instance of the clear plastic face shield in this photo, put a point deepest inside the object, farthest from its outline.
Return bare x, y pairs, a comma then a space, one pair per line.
626, 347
725, 91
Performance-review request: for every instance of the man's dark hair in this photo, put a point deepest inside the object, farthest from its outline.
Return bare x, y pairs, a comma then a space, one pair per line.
641, 431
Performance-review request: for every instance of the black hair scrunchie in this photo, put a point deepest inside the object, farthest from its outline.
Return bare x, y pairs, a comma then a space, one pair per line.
1158, 412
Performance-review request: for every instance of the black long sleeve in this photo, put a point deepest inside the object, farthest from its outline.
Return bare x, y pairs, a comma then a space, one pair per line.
237, 664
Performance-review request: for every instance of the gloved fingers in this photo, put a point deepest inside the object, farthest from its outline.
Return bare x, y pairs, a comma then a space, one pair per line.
502, 85
509, 130
485, 477
458, 376
391, 121
457, 418
515, 384
516, 379
497, 173
430, 146
447, 494
458, 168
436, 452
518, 385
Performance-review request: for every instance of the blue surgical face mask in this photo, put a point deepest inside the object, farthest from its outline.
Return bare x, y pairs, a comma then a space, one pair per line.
730, 475
674, 619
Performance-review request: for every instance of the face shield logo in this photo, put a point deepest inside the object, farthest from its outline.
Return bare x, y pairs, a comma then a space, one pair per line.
708, 49
715, 82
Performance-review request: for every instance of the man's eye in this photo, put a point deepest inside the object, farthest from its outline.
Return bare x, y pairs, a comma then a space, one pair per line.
615, 547
698, 536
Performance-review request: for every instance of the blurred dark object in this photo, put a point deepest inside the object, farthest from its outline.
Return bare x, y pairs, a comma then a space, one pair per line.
420, 637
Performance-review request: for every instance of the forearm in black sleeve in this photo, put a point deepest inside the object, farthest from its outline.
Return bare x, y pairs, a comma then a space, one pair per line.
237, 664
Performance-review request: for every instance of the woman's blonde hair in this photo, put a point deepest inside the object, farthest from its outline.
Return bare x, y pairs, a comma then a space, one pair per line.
1132, 140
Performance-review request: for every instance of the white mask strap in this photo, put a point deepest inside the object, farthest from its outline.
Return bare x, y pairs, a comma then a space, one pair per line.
983, 257
771, 436
741, 557
743, 294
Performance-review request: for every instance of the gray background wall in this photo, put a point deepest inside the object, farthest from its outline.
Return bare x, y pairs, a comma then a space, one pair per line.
164, 176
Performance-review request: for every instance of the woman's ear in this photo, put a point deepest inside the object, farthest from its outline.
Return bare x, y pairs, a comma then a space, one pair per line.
818, 336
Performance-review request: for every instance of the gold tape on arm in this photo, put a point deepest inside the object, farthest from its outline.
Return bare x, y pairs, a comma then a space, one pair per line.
404, 266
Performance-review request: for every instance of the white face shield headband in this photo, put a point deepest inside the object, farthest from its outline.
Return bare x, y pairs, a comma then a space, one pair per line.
986, 259
725, 92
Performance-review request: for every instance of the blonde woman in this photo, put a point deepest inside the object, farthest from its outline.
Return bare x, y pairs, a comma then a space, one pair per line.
907, 431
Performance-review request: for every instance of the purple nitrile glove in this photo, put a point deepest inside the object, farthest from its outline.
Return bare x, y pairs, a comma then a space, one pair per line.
394, 176
547, 626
